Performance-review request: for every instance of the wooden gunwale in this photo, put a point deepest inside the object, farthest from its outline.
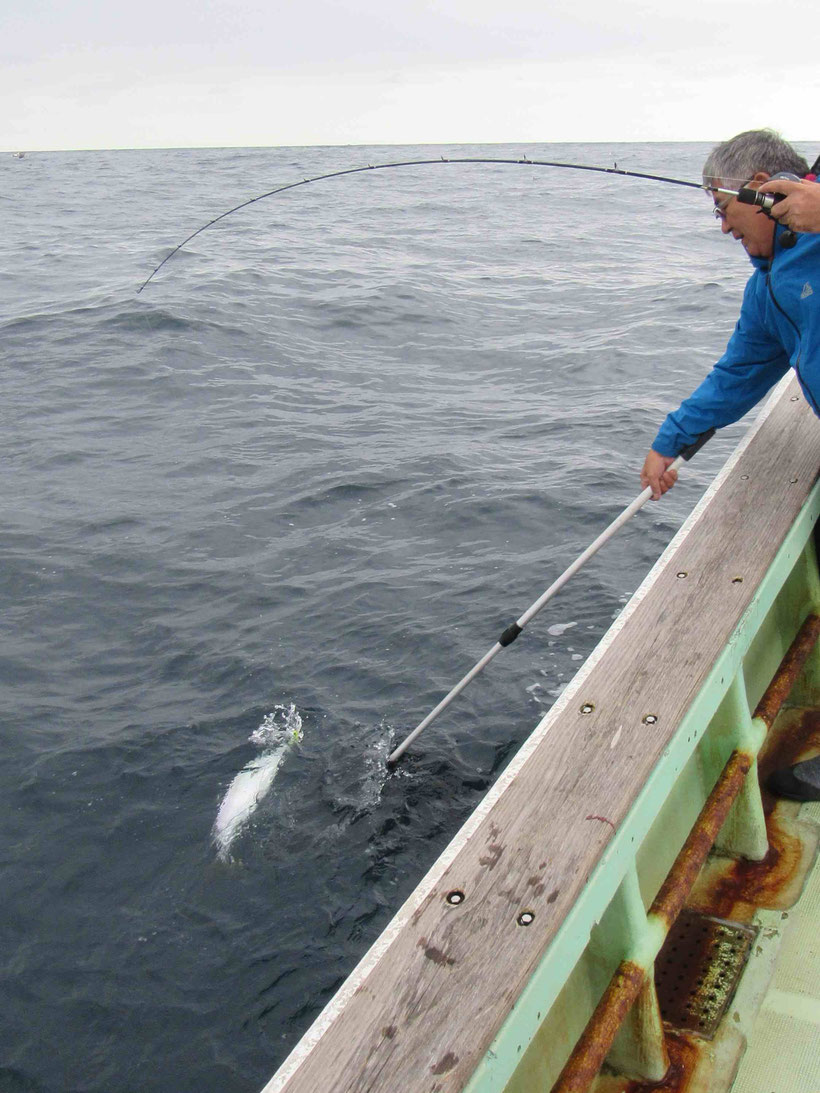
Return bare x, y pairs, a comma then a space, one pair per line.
423, 1006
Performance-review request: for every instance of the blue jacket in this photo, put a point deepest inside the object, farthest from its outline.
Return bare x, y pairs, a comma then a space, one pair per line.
779, 327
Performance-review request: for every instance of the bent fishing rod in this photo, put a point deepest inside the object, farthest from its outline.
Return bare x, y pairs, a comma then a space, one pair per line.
514, 629
522, 161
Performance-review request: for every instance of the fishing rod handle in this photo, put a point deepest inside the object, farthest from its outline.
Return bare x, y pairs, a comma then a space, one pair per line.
747, 196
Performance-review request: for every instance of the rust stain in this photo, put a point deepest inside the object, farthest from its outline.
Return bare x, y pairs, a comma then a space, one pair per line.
684, 1055
796, 737
603, 820
492, 858
592, 1048
388, 1032
736, 888
537, 885
674, 890
553, 896
778, 690
435, 954
445, 1063
743, 885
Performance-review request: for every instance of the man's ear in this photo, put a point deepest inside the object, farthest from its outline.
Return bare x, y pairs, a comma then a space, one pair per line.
760, 177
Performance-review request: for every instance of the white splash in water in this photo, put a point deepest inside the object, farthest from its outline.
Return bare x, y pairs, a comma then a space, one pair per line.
279, 731
374, 766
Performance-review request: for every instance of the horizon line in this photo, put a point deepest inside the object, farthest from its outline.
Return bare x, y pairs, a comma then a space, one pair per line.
30, 149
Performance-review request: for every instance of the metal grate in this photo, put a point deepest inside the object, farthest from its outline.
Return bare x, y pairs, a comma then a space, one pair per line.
698, 969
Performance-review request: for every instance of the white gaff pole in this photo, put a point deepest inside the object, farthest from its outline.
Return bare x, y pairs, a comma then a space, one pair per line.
512, 632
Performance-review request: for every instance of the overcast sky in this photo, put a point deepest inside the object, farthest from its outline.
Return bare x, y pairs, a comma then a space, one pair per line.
195, 73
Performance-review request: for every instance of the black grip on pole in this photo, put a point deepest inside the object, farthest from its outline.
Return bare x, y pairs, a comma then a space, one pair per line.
510, 634
693, 449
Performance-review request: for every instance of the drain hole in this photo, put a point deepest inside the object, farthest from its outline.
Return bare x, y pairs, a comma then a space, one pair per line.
698, 969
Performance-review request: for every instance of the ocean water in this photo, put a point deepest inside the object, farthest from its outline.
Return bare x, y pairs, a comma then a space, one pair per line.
260, 517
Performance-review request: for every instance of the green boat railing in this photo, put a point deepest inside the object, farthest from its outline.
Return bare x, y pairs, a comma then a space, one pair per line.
525, 958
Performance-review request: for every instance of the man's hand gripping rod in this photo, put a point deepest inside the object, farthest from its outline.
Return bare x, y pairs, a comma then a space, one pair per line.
515, 628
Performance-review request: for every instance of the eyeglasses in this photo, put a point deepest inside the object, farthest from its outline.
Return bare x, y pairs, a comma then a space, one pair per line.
722, 206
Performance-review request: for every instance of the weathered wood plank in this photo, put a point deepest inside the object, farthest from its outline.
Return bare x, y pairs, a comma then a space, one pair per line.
430, 1005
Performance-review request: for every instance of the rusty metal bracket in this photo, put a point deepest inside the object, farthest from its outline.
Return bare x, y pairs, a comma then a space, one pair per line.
790, 668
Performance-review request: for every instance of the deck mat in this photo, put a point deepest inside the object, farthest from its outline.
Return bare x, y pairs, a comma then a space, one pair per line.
697, 970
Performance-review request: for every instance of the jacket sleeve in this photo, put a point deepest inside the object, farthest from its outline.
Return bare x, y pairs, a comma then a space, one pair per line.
753, 363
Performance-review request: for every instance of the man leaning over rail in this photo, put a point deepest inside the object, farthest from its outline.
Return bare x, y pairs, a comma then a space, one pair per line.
778, 327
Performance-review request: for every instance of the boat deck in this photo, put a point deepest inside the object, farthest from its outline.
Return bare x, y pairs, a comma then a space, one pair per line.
783, 1041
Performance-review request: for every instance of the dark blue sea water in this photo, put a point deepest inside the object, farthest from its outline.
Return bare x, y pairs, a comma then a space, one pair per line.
295, 489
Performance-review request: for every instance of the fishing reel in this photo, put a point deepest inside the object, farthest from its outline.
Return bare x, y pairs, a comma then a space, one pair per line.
765, 202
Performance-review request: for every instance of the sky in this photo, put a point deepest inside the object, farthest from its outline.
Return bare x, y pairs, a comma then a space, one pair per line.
79, 74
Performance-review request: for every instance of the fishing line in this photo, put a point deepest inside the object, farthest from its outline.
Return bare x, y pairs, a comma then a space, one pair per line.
523, 161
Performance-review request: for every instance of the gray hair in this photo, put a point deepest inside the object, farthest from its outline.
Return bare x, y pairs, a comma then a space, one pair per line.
739, 159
